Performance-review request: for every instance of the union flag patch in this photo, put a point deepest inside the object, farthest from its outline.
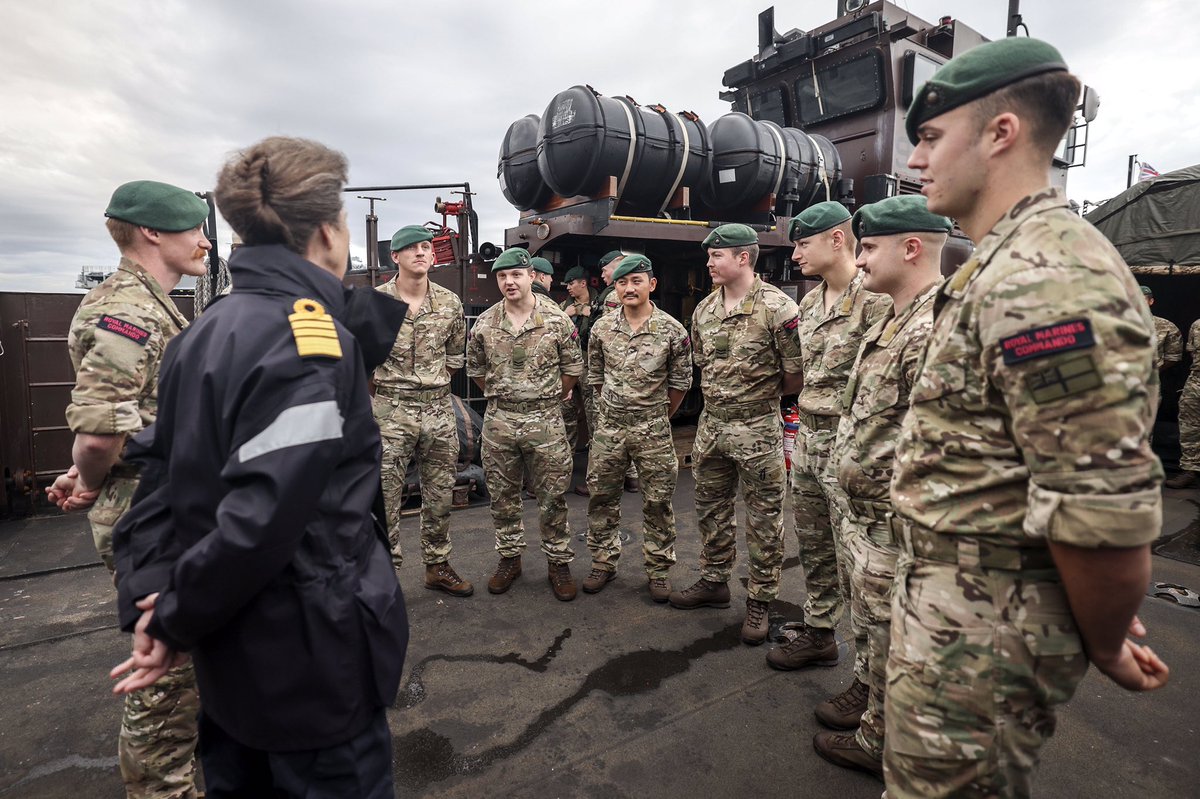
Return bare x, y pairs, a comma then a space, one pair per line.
1038, 342
122, 328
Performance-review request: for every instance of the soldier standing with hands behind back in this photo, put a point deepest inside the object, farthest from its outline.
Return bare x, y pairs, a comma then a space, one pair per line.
116, 341
833, 318
640, 363
524, 355
412, 404
744, 341
901, 255
1025, 490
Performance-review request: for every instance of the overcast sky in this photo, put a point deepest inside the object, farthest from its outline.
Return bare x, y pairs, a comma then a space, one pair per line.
96, 94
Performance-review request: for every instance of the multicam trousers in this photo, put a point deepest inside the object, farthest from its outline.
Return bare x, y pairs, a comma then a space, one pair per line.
818, 503
621, 439
872, 577
156, 745
531, 437
820, 509
1189, 424
979, 659
426, 430
570, 409
116, 495
725, 453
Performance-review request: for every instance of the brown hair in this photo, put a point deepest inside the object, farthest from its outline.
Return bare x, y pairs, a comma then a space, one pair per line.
122, 232
752, 249
281, 190
1045, 102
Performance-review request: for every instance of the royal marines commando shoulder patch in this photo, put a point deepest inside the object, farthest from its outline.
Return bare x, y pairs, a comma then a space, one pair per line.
122, 328
1037, 342
314, 331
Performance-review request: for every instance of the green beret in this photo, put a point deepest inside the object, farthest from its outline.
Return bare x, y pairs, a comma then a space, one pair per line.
978, 72
609, 257
512, 258
632, 263
541, 265
410, 234
1146, 290
159, 206
817, 219
731, 235
575, 273
905, 213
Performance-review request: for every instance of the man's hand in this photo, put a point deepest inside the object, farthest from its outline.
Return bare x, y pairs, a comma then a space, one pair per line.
69, 493
585, 310
150, 658
571, 310
1136, 668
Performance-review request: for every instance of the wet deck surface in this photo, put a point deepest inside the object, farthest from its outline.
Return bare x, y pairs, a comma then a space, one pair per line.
610, 695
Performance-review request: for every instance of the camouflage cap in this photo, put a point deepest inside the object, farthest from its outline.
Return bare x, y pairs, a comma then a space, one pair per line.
159, 206
410, 234
512, 258
817, 219
1146, 290
979, 72
540, 264
632, 263
575, 273
609, 257
906, 213
731, 235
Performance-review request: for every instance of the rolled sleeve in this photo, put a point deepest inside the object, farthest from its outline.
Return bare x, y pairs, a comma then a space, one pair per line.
785, 327
108, 386
456, 344
570, 359
679, 376
476, 354
1094, 520
1081, 414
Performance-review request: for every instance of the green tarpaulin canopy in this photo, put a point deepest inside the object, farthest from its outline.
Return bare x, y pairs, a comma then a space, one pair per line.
1156, 221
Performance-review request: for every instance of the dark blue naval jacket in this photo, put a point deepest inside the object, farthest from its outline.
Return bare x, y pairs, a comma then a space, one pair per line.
253, 518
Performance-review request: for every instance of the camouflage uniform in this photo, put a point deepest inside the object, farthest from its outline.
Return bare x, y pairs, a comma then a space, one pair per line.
412, 407
522, 372
605, 302
876, 399
583, 325
1189, 407
1168, 349
742, 357
829, 340
116, 342
1029, 422
633, 370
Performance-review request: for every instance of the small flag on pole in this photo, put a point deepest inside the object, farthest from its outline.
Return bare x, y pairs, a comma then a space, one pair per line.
1146, 172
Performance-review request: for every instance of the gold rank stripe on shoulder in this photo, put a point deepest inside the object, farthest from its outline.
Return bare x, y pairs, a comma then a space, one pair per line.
889, 332
960, 279
313, 329
848, 302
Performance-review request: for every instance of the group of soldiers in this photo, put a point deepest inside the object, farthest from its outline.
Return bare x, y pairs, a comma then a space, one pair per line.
973, 475
1167, 353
